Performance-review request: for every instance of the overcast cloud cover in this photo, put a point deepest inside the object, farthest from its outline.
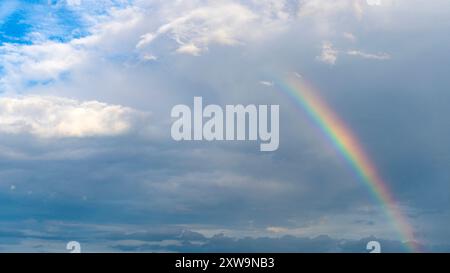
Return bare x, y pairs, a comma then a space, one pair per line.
86, 90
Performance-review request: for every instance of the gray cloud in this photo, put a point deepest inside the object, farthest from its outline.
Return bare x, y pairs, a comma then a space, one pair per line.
119, 175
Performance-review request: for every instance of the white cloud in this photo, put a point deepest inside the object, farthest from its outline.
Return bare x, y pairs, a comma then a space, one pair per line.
377, 56
193, 25
266, 83
149, 57
73, 2
374, 2
117, 32
218, 23
45, 61
61, 117
191, 49
298, 75
329, 54
36, 63
229, 23
277, 229
350, 36
327, 8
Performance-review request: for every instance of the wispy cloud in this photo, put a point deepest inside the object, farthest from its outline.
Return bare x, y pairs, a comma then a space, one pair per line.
372, 56
222, 23
267, 83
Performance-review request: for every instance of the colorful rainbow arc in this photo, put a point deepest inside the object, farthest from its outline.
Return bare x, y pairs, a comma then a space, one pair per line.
348, 146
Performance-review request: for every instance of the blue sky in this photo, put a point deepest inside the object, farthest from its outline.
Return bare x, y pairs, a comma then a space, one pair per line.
86, 154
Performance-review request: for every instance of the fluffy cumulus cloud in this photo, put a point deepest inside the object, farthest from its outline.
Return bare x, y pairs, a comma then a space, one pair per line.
61, 117
329, 54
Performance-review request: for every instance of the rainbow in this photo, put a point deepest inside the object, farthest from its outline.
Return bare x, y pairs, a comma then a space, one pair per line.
351, 150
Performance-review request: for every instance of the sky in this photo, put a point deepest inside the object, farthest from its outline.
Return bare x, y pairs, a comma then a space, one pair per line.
86, 92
